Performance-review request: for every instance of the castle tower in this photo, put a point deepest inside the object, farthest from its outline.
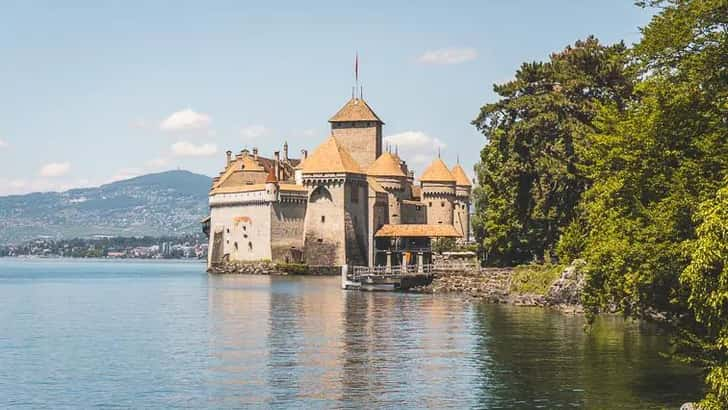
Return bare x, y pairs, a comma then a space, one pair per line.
271, 186
388, 173
359, 130
438, 193
461, 212
336, 224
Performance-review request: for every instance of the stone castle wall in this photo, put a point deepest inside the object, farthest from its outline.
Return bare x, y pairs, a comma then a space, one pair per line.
245, 230
461, 217
355, 221
363, 140
414, 212
287, 219
324, 237
439, 203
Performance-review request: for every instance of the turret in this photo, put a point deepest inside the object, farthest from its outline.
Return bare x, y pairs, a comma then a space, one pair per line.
461, 211
438, 193
271, 187
359, 130
387, 171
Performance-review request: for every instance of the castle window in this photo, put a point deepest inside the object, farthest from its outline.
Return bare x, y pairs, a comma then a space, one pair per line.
227, 230
430, 204
442, 204
323, 218
319, 240
245, 228
236, 246
250, 246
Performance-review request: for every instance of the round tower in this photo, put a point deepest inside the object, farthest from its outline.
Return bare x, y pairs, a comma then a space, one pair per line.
461, 212
271, 186
438, 193
388, 173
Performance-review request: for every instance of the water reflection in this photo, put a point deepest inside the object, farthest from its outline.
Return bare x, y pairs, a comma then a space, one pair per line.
283, 341
541, 359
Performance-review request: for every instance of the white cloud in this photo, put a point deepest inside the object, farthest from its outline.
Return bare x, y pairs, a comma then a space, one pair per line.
3, 144
55, 169
254, 131
185, 120
414, 139
448, 56
415, 147
187, 149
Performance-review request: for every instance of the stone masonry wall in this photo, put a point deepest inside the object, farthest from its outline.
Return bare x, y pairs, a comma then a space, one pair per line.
364, 143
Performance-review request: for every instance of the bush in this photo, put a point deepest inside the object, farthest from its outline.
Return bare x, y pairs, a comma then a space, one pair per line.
535, 278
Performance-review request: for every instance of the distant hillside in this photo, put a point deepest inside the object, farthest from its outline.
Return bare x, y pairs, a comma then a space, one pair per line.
167, 203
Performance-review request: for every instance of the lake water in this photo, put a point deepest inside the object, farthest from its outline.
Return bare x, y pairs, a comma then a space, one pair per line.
78, 334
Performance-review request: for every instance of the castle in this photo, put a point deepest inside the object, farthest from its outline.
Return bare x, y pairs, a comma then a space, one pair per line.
328, 209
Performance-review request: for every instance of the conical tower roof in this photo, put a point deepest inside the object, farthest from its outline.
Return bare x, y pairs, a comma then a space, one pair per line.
355, 109
437, 172
387, 165
330, 157
271, 178
461, 178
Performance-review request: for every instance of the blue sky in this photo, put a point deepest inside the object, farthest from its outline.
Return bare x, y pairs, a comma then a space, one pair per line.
96, 91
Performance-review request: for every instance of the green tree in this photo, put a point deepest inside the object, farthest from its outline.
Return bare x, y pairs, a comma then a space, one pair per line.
653, 164
530, 172
706, 280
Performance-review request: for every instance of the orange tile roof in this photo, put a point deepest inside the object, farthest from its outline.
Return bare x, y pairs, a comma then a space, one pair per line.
330, 157
417, 231
437, 172
238, 188
461, 178
387, 165
355, 109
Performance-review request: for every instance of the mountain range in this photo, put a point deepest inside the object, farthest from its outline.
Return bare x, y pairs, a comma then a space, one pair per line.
162, 204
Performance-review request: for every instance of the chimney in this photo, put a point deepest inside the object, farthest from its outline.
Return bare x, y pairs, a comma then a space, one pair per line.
285, 150
228, 155
277, 157
255, 153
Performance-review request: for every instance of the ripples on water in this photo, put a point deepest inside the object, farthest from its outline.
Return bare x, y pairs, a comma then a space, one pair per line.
82, 334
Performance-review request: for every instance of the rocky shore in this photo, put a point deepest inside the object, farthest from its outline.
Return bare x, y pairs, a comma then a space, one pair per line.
248, 268
494, 286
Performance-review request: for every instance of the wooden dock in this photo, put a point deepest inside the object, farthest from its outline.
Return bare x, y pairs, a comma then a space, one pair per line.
382, 278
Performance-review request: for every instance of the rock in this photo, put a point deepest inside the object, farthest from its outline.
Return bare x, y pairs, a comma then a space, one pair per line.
567, 289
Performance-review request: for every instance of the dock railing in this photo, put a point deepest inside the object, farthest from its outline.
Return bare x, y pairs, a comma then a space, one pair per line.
395, 271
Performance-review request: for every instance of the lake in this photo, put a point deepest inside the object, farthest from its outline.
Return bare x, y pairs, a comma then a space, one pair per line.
78, 334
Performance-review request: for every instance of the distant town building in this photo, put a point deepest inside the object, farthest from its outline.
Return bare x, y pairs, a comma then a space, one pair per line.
326, 208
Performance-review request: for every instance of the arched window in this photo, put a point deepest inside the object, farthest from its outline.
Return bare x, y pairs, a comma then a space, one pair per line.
320, 194
250, 246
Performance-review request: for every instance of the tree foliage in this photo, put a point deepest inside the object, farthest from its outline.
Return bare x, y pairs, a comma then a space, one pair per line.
530, 171
631, 176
